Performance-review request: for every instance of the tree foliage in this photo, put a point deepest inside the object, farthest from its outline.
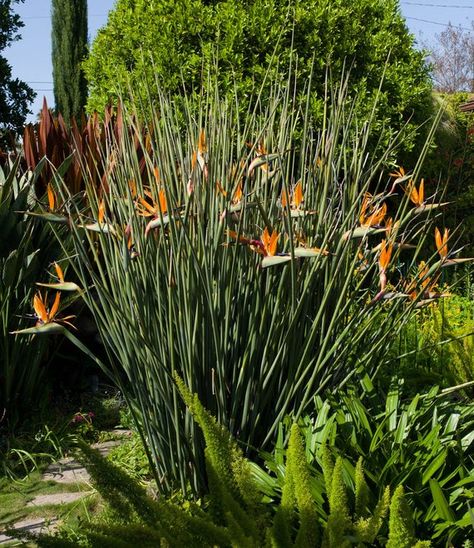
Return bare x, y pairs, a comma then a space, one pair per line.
237, 41
69, 48
15, 95
450, 164
453, 60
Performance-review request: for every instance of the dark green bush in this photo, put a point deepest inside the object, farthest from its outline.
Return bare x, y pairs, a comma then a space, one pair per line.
437, 346
237, 41
451, 164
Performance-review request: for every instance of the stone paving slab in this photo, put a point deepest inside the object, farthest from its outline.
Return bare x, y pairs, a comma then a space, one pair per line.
66, 470
57, 498
69, 470
35, 526
105, 447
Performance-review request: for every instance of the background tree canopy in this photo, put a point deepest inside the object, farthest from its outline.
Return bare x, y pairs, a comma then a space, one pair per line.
179, 42
15, 95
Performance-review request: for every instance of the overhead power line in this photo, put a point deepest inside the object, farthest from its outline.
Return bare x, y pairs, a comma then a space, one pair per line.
441, 24
49, 16
438, 5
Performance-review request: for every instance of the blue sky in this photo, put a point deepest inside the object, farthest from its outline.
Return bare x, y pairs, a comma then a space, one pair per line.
30, 57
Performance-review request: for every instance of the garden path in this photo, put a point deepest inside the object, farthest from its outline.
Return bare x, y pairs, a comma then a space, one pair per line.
66, 472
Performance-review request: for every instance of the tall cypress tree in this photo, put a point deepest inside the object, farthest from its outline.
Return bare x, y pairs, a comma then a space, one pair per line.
69, 48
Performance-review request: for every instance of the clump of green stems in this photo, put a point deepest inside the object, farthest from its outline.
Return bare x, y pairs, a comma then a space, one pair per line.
255, 337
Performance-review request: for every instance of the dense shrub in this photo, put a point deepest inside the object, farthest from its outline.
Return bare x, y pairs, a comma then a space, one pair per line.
451, 164
181, 42
437, 346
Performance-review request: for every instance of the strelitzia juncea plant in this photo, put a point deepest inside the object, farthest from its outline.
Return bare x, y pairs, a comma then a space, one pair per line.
198, 266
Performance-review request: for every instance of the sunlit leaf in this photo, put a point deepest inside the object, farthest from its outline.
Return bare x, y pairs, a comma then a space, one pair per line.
100, 227
275, 260
441, 504
61, 286
309, 252
50, 217
51, 328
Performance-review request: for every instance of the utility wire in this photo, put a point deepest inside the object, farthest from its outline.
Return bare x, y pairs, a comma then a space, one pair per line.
49, 16
438, 5
441, 24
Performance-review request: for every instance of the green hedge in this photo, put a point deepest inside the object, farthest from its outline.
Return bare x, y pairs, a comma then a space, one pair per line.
238, 40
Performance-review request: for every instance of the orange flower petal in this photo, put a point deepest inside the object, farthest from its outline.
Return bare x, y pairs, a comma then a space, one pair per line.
272, 249
220, 189
55, 307
40, 308
162, 201
232, 234
237, 197
202, 145
399, 173
101, 212
270, 243
132, 185
156, 173
51, 197
385, 255
59, 272
298, 194
442, 242
150, 210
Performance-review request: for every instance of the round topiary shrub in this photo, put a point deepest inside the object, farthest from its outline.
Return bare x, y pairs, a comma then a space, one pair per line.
244, 43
